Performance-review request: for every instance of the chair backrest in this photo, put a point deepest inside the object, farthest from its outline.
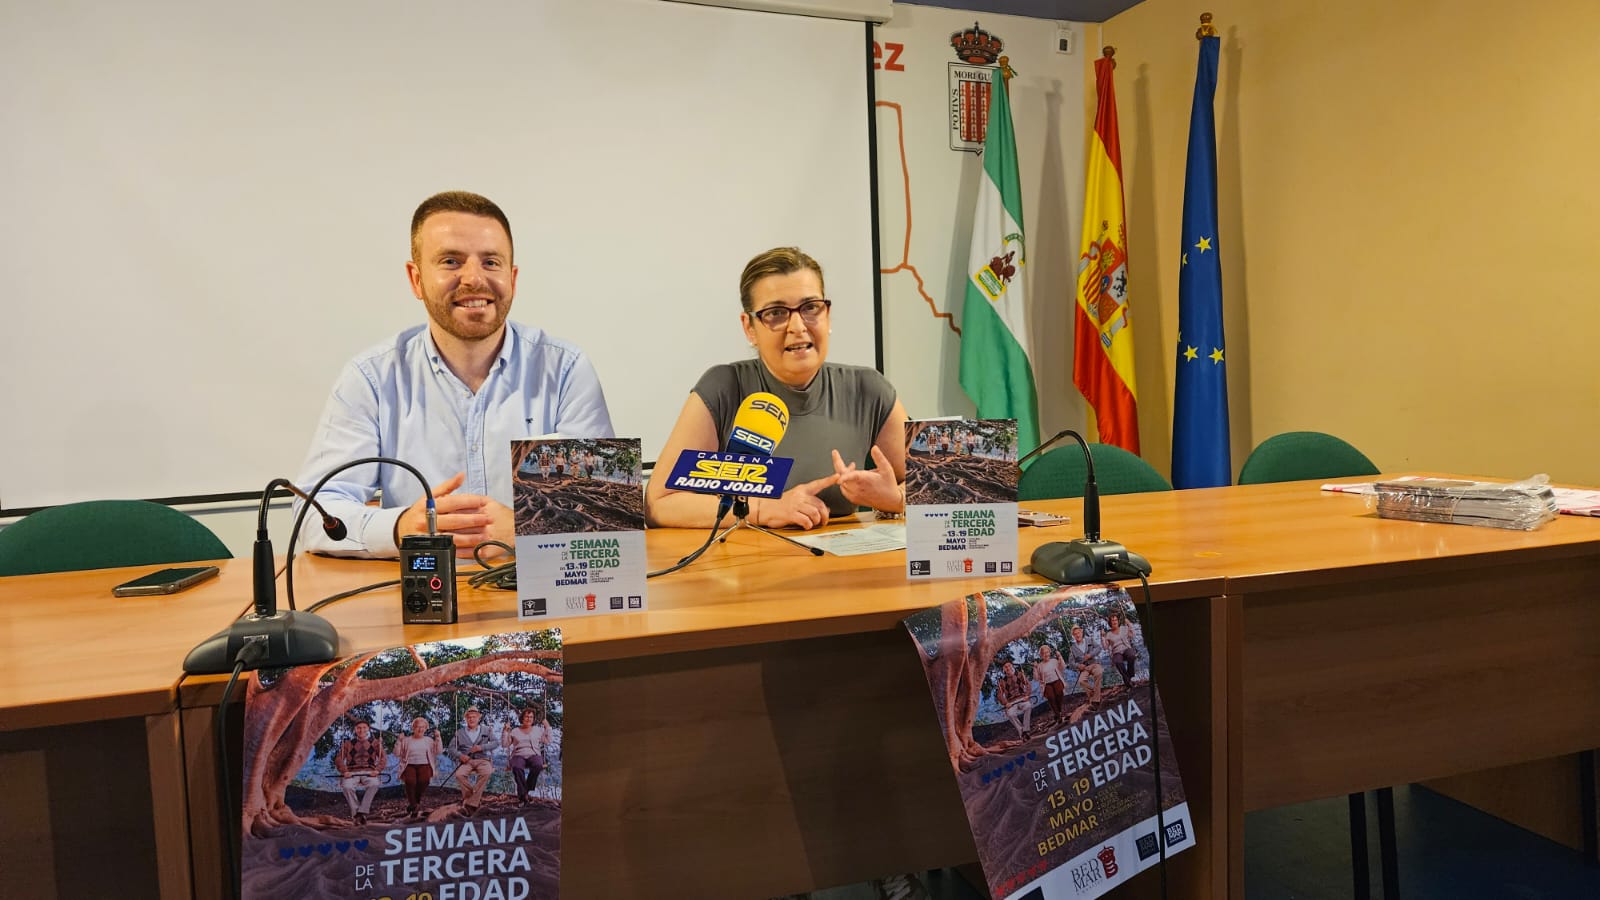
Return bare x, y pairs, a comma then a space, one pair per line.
1298, 455
1060, 473
102, 534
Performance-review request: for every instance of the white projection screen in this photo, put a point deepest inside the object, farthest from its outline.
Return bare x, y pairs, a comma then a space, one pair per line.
207, 208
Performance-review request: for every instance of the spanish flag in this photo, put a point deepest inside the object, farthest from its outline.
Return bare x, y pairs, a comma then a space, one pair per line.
1102, 365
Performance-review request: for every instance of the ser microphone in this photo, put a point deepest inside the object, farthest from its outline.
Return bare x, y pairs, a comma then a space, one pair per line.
758, 428
1090, 560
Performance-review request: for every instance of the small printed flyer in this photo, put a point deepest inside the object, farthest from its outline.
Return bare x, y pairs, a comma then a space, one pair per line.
961, 498
1052, 728
579, 510
432, 770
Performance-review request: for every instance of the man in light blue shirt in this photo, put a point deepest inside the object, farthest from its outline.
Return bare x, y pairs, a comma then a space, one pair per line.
448, 397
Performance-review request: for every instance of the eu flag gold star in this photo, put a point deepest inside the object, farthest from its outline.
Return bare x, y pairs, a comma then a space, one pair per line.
1216, 354
1191, 353
1185, 258
1204, 245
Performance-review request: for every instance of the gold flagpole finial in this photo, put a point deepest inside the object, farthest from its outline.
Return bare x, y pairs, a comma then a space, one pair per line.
1006, 71
1109, 52
1206, 29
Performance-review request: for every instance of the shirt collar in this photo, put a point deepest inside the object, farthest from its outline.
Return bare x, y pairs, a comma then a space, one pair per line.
502, 359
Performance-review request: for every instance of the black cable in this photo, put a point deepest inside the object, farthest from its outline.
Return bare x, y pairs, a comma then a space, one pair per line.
248, 655
300, 517
1117, 564
344, 595
710, 538
502, 576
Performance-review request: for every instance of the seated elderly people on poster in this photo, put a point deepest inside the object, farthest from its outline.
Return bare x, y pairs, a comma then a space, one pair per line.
846, 431
449, 396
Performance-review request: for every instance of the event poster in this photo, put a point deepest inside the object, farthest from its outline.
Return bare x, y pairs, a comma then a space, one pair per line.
1045, 705
961, 498
578, 505
432, 770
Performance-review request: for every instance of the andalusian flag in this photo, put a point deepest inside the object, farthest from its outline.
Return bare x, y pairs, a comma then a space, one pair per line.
995, 369
1102, 364
1200, 455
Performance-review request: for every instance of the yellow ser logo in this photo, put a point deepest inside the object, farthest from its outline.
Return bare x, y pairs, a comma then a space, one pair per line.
751, 473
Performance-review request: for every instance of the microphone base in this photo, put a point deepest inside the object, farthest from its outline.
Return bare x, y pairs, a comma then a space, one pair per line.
1084, 562
292, 639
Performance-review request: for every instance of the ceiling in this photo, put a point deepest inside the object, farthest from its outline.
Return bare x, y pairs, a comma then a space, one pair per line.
1070, 10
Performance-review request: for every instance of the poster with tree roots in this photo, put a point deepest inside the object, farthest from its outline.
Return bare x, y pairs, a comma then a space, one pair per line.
1053, 730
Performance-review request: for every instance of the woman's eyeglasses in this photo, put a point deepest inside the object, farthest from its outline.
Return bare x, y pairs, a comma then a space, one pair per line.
776, 317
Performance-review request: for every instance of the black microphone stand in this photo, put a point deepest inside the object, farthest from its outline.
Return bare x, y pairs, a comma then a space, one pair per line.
1087, 561
741, 519
289, 637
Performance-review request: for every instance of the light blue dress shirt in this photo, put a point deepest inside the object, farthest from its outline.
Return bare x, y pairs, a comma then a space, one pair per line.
399, 399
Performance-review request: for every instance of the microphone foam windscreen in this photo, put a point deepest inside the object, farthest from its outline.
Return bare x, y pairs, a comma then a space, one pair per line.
759, 425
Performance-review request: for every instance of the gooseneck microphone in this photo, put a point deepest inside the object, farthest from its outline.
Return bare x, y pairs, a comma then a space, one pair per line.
272, 638
332, 525
290, 637
266, 594
1087, 561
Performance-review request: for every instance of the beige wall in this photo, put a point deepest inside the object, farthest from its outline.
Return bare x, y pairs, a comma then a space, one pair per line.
1409, 223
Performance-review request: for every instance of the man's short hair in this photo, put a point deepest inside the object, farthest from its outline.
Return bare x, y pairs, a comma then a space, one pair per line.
777, 261
461, 202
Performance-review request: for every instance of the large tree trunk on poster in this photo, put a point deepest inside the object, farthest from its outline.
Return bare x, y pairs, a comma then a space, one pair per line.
299, 707
967, 648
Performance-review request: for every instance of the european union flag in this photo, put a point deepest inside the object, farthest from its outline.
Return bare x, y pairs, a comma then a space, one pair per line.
1200, 455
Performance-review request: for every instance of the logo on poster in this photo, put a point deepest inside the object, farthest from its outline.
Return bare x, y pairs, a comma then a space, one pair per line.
1176, 833
1086, 875
588, 602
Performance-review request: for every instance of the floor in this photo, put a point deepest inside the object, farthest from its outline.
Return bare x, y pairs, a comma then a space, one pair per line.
1448, 851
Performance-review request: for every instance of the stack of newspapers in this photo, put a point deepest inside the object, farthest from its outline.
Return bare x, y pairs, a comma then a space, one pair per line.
1523, 505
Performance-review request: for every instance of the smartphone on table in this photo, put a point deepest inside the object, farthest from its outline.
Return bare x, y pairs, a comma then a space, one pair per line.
166, 581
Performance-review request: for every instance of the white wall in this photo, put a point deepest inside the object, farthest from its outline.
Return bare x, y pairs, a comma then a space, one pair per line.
921, 352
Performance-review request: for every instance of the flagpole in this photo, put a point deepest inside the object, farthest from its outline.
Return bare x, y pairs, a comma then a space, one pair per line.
1200, 433
1102, 329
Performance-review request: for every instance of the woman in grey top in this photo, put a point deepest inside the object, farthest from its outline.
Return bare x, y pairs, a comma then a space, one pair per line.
841, 418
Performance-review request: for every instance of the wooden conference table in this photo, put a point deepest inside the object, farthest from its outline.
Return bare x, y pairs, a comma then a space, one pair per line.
88, 699
765, 726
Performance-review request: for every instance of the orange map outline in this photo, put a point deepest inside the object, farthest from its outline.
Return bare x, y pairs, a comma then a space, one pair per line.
905, 252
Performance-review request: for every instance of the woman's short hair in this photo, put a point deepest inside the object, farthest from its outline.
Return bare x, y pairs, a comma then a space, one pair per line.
777, 261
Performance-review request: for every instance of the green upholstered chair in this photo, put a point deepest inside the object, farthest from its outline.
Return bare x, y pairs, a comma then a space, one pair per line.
103, 534
1060, 473
1299, 455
